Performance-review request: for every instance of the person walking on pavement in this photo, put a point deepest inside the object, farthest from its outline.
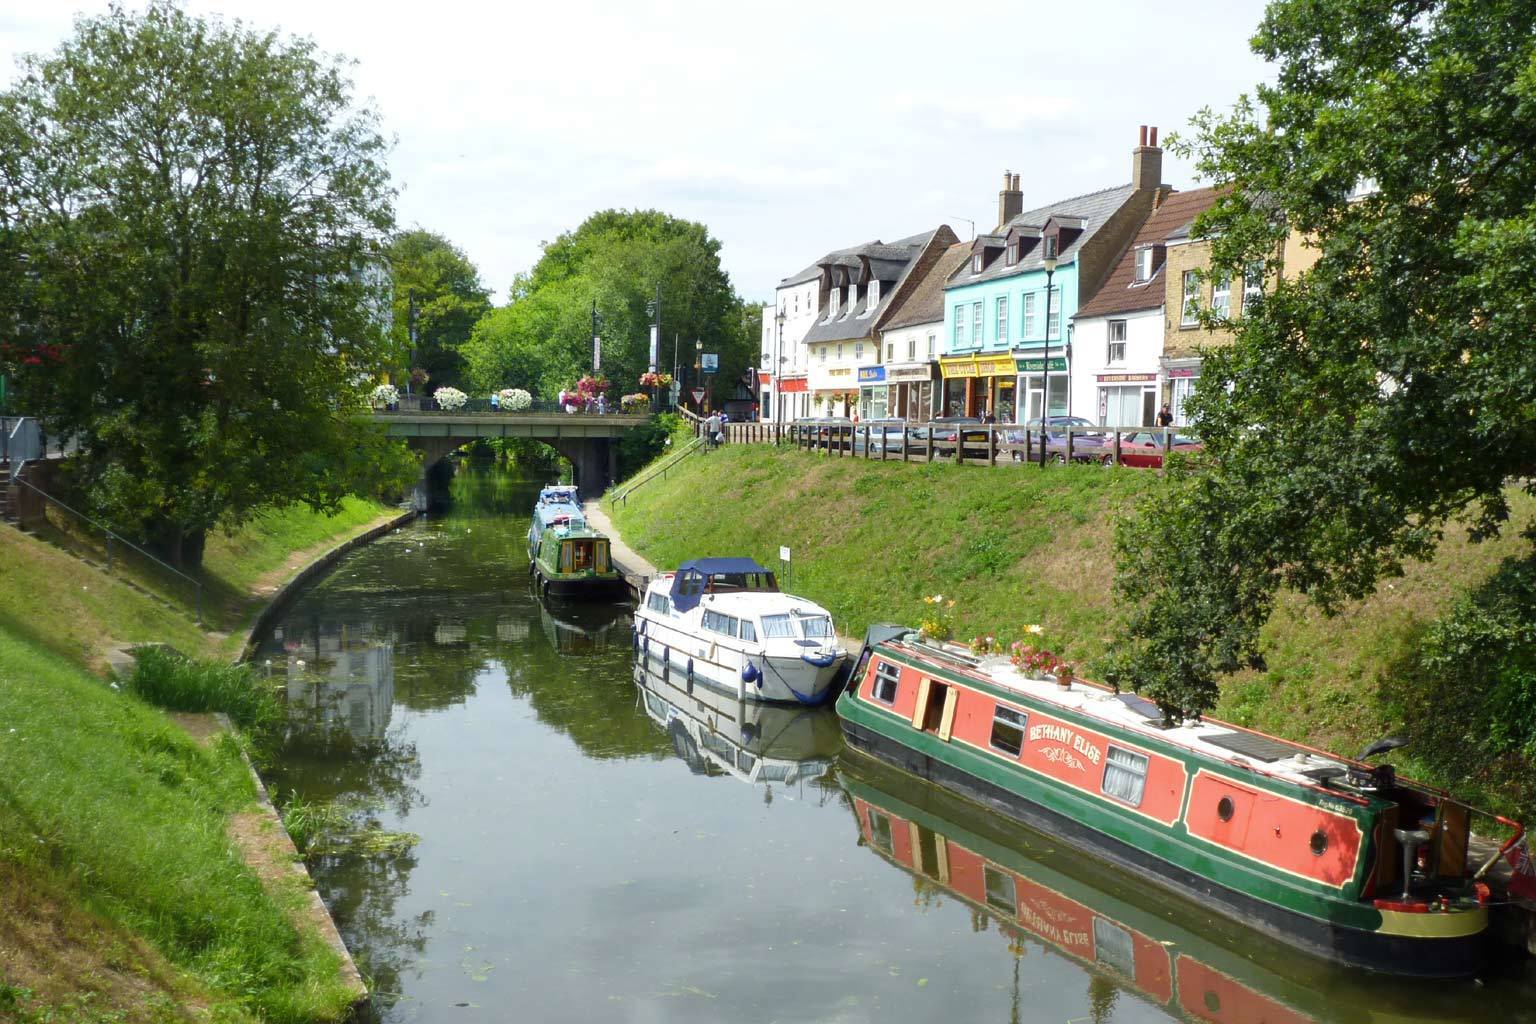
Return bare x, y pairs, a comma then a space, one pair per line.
1164, 416
712, 430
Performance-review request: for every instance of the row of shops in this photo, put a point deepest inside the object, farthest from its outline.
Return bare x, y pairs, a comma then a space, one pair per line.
1011, 388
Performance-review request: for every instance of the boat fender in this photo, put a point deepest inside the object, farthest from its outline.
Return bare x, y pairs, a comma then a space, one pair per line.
750, 674
666, 663
690, 675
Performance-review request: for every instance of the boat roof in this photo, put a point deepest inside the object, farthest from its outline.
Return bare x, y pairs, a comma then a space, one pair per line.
687, 583
558, 492
721, 566
1133, 715
746, 603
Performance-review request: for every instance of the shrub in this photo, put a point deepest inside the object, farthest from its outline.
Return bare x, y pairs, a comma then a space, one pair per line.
172, 681
1470, 699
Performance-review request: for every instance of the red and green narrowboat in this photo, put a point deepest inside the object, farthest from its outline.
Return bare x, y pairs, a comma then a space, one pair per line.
1333, 855
1033, 890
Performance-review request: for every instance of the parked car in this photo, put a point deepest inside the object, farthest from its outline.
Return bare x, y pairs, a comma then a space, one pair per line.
945, 430
1087, 446
884, 435
1145, 448
826, 429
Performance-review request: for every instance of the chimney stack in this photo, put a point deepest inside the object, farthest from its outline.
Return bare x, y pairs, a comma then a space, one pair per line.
1010, 201
1147, 162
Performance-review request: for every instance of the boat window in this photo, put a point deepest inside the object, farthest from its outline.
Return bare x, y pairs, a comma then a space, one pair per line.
582, 556
1008, 730
745, 761
1319, 843
1000, 890
777, 627
748, 631
565, 557
1125, 775
602, 556
880, 830
887, 679
818, 626
717, 623
657, 603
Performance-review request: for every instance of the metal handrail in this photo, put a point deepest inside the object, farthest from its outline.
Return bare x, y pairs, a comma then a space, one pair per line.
661, 470
113, 535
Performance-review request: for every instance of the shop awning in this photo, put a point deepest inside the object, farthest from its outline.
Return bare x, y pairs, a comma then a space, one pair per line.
973, 366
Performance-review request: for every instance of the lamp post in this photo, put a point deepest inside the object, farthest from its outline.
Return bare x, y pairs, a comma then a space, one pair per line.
1045, 366
778, 373
698, 372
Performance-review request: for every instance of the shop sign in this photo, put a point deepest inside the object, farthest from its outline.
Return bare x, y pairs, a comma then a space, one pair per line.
765, 379
1185, 371
871, 374
896, 374
1126, 378
973, 367
795, 385
1058, 364
839, 371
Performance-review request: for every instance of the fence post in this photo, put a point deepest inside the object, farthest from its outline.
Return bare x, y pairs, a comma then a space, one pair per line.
959, 445
906, 441
991, 446
1069, 444
928, 444
1117, 446
866, 440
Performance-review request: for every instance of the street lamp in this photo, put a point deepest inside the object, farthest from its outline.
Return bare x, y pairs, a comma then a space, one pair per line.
698, 371
778, 373
1045, 368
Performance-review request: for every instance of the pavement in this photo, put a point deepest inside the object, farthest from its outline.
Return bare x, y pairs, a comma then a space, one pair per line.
636, 570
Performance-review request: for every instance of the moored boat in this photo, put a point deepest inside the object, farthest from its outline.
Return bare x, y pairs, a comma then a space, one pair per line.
724, 624
1332, 855
566, 556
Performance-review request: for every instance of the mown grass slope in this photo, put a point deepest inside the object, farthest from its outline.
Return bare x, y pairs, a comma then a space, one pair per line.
1015, 545
118, 819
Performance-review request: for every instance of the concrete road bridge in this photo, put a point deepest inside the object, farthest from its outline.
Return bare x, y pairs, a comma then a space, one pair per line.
589, 441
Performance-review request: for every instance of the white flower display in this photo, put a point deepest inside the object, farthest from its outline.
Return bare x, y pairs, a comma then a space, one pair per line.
449, 398
515, 399
385, 394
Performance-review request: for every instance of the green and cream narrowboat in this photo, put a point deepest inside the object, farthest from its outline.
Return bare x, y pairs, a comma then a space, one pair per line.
1332, 855
566, 556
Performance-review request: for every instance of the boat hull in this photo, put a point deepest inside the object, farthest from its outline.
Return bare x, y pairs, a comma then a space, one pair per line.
1421, 956
778, 680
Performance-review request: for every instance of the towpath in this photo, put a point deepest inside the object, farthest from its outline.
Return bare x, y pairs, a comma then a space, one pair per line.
636, 570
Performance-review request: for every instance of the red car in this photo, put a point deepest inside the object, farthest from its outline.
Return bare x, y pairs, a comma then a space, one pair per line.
1145, 448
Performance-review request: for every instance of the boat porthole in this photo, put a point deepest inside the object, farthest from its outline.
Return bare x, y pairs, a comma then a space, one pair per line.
1319, 843
1224, 808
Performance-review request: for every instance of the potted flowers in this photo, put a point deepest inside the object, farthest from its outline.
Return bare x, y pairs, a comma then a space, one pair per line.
449, 399
655, 380
515, 399
636, 403
1033, 657
938, 619
385, 396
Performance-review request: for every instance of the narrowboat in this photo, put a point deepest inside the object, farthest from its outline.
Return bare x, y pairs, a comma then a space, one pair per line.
566, 556
717, 735
1034, 891
1333, 855
724, 625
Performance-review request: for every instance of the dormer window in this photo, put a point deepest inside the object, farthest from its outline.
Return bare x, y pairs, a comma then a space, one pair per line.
976, 264
874, 296
1013, 252
1144, 264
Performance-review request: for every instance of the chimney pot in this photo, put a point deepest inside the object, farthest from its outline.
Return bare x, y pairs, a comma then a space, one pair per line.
1016, 183
1006, 179
1143, 141
1154, 136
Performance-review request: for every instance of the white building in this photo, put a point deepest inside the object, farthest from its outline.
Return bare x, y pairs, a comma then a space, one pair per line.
1118, 336
785, 324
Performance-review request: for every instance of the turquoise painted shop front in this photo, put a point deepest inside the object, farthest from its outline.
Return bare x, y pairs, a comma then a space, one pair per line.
1010, 312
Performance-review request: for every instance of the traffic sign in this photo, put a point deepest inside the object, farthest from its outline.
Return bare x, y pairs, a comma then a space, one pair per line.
698, 396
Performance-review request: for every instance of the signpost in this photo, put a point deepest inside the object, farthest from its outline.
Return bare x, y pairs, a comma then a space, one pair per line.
784, 563
698, 396
710, 362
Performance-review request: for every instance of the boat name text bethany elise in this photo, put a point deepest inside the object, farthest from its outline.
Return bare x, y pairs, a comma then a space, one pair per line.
1062, 734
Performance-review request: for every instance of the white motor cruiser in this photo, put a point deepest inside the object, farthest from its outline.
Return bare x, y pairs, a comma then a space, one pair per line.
724, 624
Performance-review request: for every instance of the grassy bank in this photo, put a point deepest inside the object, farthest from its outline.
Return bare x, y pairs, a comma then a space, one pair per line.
1015, 546
113, 821
122, 896
53, 589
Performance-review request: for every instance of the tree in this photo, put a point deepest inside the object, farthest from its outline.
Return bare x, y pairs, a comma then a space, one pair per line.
435, 280
191, 226
1388, 390
616, 258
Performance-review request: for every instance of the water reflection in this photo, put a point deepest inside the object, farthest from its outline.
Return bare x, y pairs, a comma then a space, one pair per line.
1130, 941
715, 734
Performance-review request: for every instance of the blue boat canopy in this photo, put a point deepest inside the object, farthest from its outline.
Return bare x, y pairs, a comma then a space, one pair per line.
717, 575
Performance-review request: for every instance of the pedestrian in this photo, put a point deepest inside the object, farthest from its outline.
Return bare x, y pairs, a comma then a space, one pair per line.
712, 430
602, 405
725, 423
1164, 416
495, 401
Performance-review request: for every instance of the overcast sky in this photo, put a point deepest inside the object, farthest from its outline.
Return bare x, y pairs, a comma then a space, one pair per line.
789, 129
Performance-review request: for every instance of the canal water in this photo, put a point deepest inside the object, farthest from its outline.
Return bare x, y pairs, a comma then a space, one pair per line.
593, 845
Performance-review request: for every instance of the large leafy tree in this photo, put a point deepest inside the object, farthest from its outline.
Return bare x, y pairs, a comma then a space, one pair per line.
191, 217
543, 339
1390, 389
437, 287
